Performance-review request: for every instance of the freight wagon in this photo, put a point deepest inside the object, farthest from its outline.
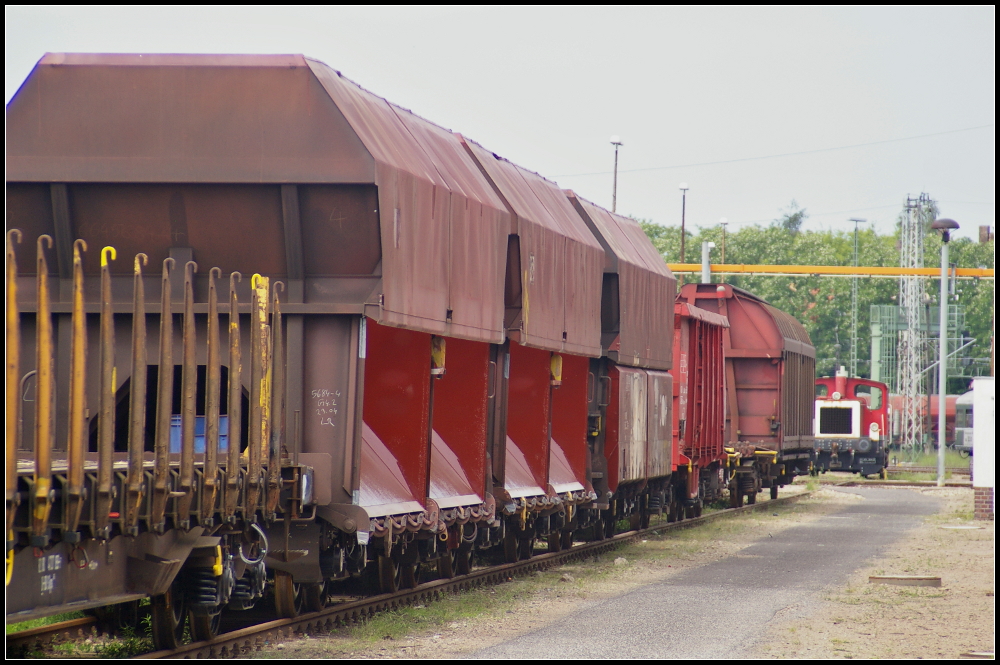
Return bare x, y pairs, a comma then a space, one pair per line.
429, 351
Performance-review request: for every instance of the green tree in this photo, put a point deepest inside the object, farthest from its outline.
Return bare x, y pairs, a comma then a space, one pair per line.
792, 218
823, 304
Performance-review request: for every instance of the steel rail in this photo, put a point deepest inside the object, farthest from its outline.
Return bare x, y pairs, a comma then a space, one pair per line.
964, 471
43, 636
247, 640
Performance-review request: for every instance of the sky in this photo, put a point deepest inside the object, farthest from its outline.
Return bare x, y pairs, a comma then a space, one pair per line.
845, 110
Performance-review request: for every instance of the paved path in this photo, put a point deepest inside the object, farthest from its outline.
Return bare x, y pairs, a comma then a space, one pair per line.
717, 610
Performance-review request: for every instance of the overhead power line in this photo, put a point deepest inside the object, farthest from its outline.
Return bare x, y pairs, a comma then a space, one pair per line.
783, 154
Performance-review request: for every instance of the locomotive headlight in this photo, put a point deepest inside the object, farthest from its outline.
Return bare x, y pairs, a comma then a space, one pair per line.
873, 431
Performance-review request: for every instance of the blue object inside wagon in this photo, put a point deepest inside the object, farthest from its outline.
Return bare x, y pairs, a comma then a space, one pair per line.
199, 434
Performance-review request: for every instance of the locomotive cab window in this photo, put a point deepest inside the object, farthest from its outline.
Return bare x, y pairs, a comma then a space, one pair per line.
822, 390
871, 394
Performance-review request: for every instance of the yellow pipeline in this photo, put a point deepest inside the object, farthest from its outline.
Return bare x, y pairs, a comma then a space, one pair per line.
835, 271
13, 378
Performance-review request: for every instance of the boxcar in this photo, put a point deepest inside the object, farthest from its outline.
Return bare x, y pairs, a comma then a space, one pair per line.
770, 374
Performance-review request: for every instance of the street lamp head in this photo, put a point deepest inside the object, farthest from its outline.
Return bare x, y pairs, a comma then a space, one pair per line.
857, 220
723, 221
616, 140
684, 187
945, 226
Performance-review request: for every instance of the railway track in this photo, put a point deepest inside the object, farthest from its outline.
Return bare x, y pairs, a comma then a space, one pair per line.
35, 639
960, 470
247, 640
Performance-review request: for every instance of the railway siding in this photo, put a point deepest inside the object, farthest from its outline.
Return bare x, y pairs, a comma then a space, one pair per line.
266, 636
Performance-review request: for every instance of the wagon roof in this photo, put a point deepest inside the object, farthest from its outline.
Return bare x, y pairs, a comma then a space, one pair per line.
645, 286
561, 304
689, 310
758, 330
170, 118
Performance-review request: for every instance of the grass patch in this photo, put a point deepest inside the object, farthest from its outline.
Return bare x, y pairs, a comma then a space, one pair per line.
951, 458
44, 621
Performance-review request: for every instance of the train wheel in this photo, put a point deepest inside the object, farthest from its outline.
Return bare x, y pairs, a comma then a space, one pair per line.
168, 616
388, 574
751, 498
735, 497
289, 597
455, 562
462, 561
205, 627
698, 508
510, 545
598, 530
315, 596
610, 526
555, 541
567, 540
446, 565
409, 575
774, 492
526, 547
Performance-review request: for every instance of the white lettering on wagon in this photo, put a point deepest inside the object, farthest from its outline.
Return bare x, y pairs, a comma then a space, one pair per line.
47, 565
325, 404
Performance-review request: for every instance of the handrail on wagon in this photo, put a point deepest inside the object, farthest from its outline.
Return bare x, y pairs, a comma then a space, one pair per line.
833, 271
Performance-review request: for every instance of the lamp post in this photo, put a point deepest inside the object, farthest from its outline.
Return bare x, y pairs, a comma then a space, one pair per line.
945, 226
854, 301
706, 266
616, 142
723, 222
684, 191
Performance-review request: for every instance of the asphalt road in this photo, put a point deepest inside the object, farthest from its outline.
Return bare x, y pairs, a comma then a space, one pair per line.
718, 610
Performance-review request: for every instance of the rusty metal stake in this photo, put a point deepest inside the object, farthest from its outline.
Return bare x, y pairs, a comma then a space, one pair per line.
164, 405
189, 389
13, 380
213, 381
277, 405
235, 405
259, 392
134, 483
76, 444
106, 399
44, 397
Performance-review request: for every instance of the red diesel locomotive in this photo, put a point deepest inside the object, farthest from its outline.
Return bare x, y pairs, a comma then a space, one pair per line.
852, 420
